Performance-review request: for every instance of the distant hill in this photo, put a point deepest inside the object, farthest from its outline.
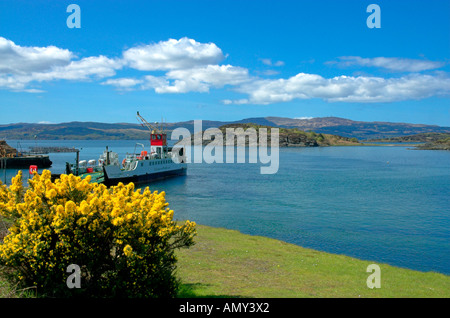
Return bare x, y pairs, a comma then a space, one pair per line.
429, 141
436, 142
288, 137
359, 129
73, 131
422, 137
441, 144
325, 125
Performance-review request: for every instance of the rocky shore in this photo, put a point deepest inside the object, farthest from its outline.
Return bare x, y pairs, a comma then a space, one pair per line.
288, 137
443, 144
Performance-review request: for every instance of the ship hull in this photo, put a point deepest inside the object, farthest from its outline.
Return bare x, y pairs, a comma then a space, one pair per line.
113, 175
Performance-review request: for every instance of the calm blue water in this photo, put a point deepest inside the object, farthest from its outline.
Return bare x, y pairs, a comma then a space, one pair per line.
384, 204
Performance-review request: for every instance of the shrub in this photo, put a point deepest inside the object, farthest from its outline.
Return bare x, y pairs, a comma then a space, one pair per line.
122, 239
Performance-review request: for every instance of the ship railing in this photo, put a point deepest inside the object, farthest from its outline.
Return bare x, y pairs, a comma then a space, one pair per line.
85, 169
132, 157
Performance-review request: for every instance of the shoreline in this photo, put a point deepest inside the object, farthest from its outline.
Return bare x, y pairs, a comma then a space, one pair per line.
219, 228
228, 263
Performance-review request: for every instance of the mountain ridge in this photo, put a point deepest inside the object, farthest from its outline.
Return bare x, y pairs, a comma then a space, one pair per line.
328, 125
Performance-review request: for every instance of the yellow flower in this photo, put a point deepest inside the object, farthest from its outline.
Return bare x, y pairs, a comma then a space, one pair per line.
115, 212
77, 212
82, 221
84, 207
70, 207
51, 194
128, 250
117, 221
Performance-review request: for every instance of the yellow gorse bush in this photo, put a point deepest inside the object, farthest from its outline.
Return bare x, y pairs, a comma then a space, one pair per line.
122, 238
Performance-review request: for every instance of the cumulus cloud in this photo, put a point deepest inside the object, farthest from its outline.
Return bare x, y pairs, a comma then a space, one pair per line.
172, 54
123, 84
198, 79
95, 66
190, 66
15, 59
389, 63
343, 88
22, 66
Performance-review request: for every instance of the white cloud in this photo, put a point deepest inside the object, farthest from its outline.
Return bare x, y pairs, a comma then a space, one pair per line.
21, 66
191, 66
269, 62
202, 78
389, 63
268, 72
199, 79
123, 84
15, 59
172, 54
84, 69
304, 118
344, 88
96, 66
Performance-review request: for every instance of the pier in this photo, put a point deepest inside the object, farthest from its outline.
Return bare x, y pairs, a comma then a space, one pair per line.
46, 150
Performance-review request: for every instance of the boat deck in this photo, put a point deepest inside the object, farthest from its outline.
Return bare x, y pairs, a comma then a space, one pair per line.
96, 177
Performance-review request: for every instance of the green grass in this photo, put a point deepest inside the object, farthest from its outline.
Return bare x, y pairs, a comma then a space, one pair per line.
10, 291
227, 263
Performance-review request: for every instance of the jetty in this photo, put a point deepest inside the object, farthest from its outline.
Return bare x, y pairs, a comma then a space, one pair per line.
11, 158
47, 150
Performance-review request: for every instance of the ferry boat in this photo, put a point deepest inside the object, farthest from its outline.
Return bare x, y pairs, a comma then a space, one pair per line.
157, 163
146, 167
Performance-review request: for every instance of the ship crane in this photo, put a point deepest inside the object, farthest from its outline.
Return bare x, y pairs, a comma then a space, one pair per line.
158, 138
152, 129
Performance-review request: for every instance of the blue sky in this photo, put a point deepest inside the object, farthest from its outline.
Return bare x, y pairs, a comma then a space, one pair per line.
224, 60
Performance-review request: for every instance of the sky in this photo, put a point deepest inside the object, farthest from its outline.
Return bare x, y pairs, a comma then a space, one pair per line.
224, 60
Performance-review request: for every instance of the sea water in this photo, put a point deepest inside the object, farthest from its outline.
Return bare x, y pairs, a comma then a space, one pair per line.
378, 203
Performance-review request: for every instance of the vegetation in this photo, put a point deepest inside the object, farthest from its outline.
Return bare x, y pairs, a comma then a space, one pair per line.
227, 263
123, 240
431, 141
109, 131
423, 137
289, 137
73, 131
117, 234
440, 144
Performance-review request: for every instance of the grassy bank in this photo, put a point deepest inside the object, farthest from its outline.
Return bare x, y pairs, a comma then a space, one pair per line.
226, 263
